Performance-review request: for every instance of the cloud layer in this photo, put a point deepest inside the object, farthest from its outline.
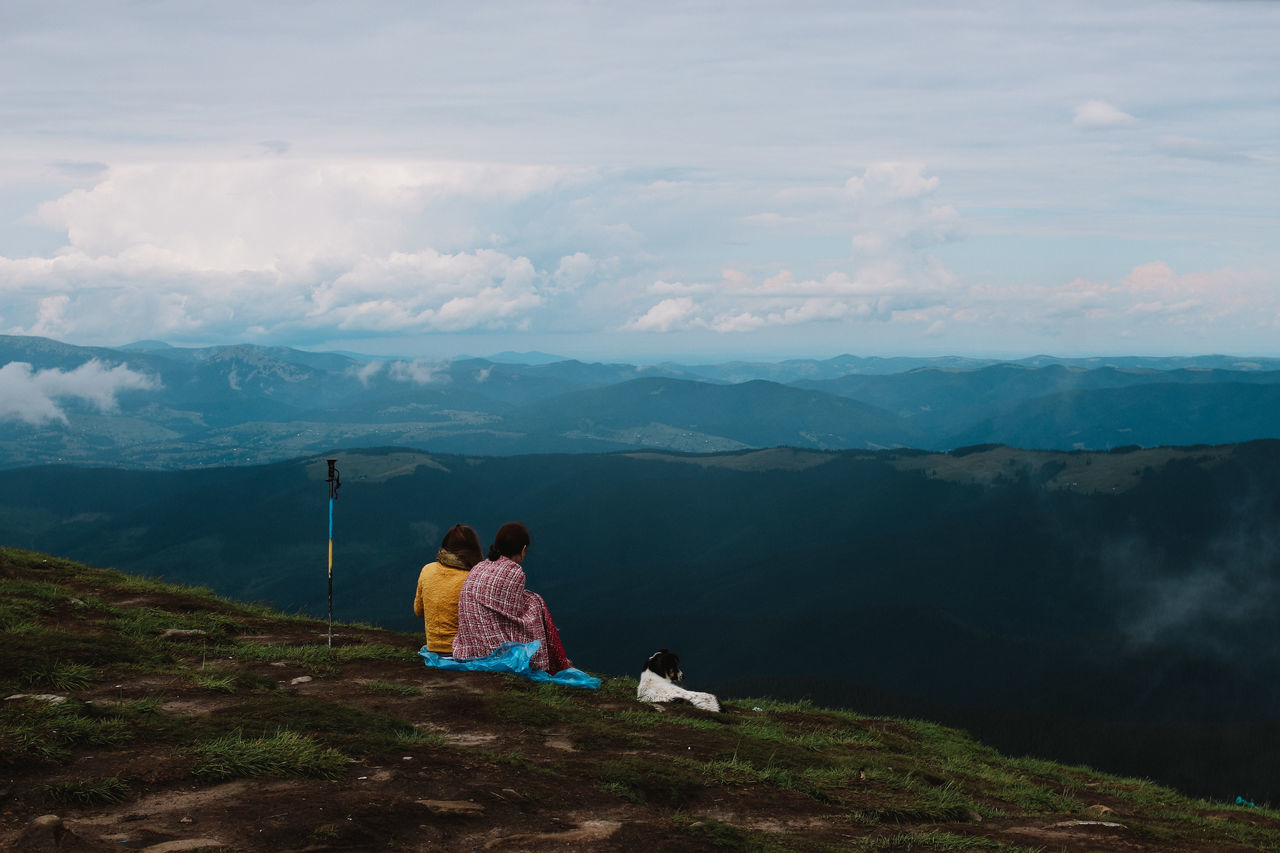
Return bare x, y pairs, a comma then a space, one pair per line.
793, 180
32, 396
239, 250
273, 250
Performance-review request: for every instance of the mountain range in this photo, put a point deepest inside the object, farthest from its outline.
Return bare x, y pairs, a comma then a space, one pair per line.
189, 407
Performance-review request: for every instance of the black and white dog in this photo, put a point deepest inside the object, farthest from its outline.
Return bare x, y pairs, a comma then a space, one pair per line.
658, 683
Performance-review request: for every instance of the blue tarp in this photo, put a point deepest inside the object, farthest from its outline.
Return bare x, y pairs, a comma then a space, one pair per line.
513, 658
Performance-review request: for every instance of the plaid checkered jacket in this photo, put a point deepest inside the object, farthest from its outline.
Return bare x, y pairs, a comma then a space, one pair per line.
495, 608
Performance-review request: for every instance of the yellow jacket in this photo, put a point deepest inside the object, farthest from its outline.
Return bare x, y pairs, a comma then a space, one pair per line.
437, 604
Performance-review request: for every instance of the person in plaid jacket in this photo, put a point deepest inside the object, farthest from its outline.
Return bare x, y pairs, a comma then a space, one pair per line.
495, 608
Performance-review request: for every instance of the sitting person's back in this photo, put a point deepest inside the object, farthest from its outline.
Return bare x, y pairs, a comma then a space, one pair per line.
440, 583
495, 608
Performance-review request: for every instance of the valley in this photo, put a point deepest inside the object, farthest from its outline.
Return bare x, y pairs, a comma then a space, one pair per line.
1049, 601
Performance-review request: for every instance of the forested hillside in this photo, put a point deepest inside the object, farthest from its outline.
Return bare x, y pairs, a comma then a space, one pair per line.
1136, 586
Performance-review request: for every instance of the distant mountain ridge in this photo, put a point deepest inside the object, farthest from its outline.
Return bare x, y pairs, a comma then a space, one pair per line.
246, 404
756, 413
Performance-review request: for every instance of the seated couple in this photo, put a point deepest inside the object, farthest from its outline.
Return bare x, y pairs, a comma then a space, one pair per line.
471, 606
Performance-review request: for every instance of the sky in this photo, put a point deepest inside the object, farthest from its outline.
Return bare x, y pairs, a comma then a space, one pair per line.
644, 182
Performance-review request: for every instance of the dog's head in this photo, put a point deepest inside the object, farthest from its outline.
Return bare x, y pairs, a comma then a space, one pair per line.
665, 663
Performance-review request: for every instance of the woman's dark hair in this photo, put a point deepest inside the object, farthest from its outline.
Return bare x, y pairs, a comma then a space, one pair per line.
512, 538
464, 542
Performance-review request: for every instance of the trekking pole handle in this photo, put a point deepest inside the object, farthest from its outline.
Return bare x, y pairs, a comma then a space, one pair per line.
335, 480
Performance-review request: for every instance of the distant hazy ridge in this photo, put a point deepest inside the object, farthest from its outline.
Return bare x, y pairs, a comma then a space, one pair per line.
244, 404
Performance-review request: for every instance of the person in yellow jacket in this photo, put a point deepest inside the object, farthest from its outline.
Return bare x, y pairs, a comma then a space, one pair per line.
440, 583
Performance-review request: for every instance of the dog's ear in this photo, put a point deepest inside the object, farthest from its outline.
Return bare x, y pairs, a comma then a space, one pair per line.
665, 663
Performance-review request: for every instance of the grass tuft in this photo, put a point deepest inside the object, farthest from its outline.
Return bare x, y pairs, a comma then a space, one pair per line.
88, 792
215, 679
59, 675
418, 737
229, 681
36, 729
285, 753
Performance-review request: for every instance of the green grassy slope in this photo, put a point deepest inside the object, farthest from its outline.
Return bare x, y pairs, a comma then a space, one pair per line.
185, 717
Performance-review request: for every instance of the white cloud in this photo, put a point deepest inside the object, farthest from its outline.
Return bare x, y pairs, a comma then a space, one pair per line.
1100, 115
572, 272
667, 315
281, 247
427, 290
810, 310
885, 182
279, 214
1150, 297
930, 302
894, 222
31, 395
49, 314
1215, 295
662, 288
893, 216
418, 372
366, 371
228, 250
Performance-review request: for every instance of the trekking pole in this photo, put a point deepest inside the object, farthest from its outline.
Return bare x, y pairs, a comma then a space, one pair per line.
334, 482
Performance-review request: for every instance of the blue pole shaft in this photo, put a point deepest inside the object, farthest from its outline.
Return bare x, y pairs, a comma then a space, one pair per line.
331, 572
